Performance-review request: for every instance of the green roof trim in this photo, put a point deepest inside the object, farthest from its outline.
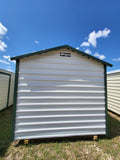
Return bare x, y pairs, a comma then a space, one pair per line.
5, 73
58, 48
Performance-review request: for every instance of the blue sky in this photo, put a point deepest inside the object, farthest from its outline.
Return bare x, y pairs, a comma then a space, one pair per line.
33, 25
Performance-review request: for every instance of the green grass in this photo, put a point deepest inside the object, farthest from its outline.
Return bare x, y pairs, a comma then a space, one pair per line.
5, 129
60, 149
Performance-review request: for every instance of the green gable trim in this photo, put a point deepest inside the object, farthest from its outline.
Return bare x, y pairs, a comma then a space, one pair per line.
58, 48
15, 100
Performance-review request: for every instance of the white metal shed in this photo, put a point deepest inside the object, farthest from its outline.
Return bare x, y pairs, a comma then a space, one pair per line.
6, 88
59, 92
113, 82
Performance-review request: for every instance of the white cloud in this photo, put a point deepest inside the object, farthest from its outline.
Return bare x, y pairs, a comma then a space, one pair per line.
88, 51
2, 46
87, 44
7, 38
13, 61
99, 56
116, 59
77, 48
36, 42
8, 58
3, 61
9, 70
94, 35
3, 31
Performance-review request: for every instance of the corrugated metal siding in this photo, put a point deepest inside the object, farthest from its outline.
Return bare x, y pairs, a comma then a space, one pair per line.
4, 82
59, 96
113, 84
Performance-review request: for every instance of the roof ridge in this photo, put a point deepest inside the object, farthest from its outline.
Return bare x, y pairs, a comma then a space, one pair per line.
61, 47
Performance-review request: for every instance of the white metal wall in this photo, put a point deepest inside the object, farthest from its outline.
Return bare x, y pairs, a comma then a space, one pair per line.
60, 96
113, 84
4, 83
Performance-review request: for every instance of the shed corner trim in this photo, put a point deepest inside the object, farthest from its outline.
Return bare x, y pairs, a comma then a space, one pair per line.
14, 100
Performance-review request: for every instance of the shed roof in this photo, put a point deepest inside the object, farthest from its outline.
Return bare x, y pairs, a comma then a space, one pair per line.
114, 71
6, 71
61, 47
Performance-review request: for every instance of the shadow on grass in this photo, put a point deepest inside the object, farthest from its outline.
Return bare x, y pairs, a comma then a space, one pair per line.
5, 132
57, 140
5, 129
113, 125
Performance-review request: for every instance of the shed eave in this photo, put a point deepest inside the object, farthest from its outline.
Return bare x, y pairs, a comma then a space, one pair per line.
114, 71
61, 47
